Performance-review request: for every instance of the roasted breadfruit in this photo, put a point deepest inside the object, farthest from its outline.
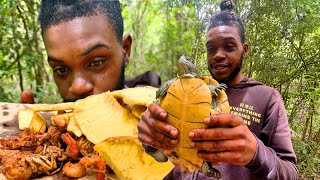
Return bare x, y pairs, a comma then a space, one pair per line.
104, 119
127, 158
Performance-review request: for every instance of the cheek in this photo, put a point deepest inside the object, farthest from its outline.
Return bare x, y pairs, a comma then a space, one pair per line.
62, 86
106, 81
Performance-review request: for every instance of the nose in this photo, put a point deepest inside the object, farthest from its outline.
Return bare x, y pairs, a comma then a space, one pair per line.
81, 85
219, 55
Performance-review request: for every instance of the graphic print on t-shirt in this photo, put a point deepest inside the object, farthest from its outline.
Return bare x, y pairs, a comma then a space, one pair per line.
246, 112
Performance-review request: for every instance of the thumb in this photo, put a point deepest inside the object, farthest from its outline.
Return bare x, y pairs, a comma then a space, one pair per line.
27, 97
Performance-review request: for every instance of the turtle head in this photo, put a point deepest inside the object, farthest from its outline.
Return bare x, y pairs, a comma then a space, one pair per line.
185, 66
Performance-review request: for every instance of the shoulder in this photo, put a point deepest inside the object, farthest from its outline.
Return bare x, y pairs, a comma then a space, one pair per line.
148, 78
261, 88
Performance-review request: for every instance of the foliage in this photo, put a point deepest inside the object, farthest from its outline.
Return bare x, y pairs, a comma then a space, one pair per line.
22, 58
284, 39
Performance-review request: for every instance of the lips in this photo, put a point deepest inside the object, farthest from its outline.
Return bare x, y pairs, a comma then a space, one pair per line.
219, 66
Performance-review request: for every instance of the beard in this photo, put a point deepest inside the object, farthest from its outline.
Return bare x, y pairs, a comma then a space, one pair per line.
120, 84
233, 74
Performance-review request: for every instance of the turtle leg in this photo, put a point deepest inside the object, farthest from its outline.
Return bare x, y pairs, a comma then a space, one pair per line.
210, 171
162, 91
159, 156
215, 89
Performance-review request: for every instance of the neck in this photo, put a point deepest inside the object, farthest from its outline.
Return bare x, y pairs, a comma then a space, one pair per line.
236, 80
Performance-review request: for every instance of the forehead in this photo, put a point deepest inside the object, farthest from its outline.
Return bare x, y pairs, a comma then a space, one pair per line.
78, 32
223, 33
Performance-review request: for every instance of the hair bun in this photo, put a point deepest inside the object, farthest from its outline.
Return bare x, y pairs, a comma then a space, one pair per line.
227, 5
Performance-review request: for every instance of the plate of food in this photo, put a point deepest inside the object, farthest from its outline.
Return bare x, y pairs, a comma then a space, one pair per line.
92, 138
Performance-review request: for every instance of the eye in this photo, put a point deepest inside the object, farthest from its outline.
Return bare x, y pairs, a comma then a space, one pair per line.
211, 49
96, 62
229, 47
61, 70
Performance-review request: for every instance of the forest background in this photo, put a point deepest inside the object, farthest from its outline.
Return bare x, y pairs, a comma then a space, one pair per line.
283, 35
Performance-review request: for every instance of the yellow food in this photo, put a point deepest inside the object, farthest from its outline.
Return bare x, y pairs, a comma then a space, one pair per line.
61, 119
31, 119
101, 116
53, 107
109, 116
136, 96
134, 163
74, 128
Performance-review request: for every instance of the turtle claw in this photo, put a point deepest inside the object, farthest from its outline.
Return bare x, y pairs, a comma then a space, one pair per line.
210, 171
215, 89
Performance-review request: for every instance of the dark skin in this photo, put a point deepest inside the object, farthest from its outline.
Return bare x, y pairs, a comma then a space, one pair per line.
227, 138
85, 56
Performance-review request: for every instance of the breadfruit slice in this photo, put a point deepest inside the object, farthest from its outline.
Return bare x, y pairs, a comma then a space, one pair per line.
73, 127
101, 116
28, 118
127, 158
136, 99
53, 107
136, 96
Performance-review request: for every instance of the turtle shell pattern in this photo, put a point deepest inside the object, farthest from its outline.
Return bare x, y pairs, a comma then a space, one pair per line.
187, 102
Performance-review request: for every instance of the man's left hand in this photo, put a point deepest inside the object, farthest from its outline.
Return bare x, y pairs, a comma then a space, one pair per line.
226, 139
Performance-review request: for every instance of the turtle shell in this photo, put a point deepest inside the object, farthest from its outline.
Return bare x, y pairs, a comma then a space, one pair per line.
188, 102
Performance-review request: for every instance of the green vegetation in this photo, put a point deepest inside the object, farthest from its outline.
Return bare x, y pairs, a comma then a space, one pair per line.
284, 39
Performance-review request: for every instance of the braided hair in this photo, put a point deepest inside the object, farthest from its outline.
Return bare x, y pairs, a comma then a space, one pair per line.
227, 17
53, 12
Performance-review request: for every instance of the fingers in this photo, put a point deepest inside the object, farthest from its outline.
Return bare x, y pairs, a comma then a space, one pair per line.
154, 118
218, 146
154, 131
232, 157
154, 137
27, 97
216, 133
223, 120
154, 143
157, 111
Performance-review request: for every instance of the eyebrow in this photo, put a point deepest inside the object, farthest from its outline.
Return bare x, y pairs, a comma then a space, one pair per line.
225, 38
53, 59
229, 38
96, 46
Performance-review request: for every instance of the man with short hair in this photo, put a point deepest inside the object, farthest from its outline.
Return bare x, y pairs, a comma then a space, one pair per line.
86, 48
252, 142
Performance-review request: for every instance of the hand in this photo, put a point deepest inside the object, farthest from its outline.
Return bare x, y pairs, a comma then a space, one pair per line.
227, 139
154, 131
27, 97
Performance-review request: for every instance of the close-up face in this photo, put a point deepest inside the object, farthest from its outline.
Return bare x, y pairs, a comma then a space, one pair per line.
85, 57
225, 53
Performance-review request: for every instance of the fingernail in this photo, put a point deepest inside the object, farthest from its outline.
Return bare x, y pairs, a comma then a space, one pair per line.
191, 134
173, 142
162, 114
173, 132
206, 120
192, 144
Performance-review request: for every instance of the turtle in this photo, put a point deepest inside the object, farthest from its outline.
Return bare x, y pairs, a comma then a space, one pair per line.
188, 99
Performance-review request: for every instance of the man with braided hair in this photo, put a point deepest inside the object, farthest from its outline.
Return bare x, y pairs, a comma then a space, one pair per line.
252, 142
86, 48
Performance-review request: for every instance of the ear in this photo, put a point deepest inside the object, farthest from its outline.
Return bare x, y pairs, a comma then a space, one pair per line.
126, 45
245, 47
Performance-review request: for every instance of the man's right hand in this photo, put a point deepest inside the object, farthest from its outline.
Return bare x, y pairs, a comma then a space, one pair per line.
154, 131
27, 97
